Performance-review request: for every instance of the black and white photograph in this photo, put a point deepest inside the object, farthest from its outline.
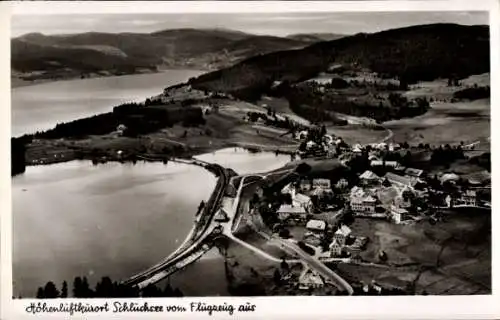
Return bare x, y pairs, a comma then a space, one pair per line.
242, 154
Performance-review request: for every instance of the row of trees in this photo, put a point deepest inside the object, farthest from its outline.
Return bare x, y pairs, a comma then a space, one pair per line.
105, 288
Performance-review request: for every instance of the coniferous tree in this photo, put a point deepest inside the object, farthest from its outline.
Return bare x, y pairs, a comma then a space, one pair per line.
77, 288
40, 294
86, 291
64, 290
50, 291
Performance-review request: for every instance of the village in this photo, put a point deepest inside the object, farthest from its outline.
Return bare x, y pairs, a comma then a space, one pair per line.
375, 182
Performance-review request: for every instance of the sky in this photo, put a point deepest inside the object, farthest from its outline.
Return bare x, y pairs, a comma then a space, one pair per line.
278, 24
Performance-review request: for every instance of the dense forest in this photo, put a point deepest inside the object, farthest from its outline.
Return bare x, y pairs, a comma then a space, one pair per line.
411, 54
473, 93
136, 118
105, 288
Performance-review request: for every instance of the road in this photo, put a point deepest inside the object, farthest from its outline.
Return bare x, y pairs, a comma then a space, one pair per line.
312, 262
319, 267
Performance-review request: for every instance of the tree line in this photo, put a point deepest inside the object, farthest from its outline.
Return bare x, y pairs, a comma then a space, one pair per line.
317, 106
136, 118
105, 288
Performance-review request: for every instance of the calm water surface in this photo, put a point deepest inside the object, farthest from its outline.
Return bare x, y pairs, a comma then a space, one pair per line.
42, 106
75, 219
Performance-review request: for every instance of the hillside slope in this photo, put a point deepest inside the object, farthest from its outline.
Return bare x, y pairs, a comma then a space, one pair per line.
424, 52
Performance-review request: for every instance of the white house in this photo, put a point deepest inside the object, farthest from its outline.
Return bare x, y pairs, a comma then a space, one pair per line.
369, 178
301, 200
363, 204
335, 248
321, 183
398, 214
309, 279
342, 234
403, 181
469, 198
316, 226
287, 211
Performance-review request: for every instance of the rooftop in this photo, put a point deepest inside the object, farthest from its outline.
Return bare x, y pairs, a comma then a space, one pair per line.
344, 230
309, 277
301, 198
394, 178
316, 225
369, 199
414, 172
286, 208
368, 175
399, 210
470, 193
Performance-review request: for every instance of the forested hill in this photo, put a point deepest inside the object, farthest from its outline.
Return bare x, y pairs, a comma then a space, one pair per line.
116, 53
423, 52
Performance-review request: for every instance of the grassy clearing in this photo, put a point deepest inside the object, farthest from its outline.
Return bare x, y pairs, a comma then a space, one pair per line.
353, 134
456, 252
445, 123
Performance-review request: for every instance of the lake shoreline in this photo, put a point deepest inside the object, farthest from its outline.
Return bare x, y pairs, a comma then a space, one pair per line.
18, 82
133, 156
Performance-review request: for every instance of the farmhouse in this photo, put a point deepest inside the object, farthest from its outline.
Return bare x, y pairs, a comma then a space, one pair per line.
369, 178
335, 248
398, 214
287, 211
321, 183
469, 198
342, 234
310, 280
316, 226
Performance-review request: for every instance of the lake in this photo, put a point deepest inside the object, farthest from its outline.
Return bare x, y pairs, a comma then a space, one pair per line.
76, 219
42, 106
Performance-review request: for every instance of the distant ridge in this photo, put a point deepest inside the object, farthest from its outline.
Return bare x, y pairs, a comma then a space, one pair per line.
70, 55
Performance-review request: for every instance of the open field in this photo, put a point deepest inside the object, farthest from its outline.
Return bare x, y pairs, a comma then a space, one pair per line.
353, 134
446, 120
248, 273
455, 254
281, 106
445, 123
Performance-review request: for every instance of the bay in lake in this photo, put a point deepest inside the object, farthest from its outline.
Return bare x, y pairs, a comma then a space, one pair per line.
75, 219
42, 106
